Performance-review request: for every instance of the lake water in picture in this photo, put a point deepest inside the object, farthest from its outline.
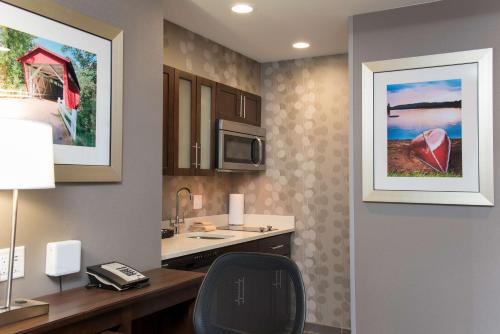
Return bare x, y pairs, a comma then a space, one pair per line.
408, 123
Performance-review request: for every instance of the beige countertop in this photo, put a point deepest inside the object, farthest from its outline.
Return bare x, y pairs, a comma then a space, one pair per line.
181, 244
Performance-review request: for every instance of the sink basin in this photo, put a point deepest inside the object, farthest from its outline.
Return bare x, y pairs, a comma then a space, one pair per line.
209, 236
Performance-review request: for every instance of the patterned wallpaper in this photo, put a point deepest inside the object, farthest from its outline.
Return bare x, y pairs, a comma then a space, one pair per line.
305, 112
305, 104
214, 189
196, 54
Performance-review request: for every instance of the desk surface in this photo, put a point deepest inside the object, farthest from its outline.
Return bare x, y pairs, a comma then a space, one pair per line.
75, 305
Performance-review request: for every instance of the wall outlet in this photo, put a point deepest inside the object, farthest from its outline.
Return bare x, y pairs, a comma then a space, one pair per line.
18, 263
197, 202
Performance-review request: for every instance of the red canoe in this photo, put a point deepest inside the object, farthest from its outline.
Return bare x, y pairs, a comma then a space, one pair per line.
433, 148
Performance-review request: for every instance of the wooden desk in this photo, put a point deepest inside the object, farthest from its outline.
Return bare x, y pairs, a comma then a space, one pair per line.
162, 307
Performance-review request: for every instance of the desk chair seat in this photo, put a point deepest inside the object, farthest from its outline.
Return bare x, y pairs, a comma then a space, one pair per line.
251, 293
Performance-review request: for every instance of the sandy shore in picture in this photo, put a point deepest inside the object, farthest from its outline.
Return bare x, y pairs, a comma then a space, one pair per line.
401, 161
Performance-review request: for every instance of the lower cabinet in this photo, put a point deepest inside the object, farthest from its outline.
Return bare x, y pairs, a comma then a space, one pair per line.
240, 303
279, 244
247, 296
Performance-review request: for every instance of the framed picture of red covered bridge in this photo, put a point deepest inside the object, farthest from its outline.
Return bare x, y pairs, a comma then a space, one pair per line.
427, 129
60, 67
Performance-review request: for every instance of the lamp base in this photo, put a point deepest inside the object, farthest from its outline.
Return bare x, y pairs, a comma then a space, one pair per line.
22, 309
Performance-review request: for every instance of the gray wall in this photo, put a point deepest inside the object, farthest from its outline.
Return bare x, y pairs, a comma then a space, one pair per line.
114, 221
422, 268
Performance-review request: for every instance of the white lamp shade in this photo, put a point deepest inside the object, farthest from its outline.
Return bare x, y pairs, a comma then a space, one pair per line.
26, 155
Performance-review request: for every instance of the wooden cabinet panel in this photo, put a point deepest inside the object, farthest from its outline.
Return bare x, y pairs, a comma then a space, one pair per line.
251, 109
184, 123
168, 119
188, 124
279, 244
205, 126
281, 298
238, 106
229, 103
250, 246
240, 301
247, 294
191, 106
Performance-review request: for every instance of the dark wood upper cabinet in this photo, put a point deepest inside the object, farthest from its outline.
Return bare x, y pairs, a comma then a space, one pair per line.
188, 124
168, 119
238, 106
229, 101
251, 108
184, 124
205, 126
191, 105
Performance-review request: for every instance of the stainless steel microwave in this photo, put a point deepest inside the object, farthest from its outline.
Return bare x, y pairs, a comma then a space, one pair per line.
240, 147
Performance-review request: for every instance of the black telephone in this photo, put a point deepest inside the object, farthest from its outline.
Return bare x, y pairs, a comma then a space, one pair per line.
116, 276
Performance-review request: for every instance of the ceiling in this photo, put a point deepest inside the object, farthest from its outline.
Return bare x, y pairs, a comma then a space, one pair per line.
268, 32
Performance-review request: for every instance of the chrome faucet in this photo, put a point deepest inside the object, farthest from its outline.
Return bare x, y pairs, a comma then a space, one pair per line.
178, 219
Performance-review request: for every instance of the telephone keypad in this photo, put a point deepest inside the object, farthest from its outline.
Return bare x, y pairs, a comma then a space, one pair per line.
127, 271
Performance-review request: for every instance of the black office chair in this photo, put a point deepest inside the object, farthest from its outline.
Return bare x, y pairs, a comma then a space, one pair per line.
251, 293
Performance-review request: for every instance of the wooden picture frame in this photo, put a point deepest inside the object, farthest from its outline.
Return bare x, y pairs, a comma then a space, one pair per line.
111, 171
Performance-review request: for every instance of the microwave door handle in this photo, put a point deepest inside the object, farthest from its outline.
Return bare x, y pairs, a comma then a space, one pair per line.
261, 153
259, 162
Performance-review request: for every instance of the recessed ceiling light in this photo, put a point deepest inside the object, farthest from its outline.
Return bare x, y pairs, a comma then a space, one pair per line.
301, 45
242, 8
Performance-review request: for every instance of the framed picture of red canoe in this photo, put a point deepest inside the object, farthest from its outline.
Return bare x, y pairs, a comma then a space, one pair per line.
428, 129
65, 69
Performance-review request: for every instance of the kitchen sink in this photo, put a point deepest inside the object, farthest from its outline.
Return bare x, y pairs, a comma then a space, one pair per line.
209, 236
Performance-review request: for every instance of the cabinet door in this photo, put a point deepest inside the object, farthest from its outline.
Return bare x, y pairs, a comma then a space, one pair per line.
229, 101
244, 300
279, 244
281, 299
205, 139
251, 109
184, 123
168, 120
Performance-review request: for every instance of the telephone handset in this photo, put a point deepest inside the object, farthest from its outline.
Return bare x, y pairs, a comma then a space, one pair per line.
116, 276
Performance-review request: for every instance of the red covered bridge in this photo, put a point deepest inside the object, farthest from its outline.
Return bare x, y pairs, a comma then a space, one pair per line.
45, 73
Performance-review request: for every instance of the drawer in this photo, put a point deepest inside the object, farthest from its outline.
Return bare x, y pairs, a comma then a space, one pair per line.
279, 244
250, 246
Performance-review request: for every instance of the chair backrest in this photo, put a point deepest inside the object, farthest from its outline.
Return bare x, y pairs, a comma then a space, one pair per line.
251, 293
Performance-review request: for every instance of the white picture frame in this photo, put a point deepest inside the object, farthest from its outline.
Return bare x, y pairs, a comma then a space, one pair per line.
475, 186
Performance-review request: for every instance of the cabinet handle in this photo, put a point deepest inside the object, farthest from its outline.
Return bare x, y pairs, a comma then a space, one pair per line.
277, 279
198, 158
241, 106
195, 163
240, 299
277, 247
244, 106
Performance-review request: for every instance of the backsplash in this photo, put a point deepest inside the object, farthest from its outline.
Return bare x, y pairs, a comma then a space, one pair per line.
214, 189
305, 112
